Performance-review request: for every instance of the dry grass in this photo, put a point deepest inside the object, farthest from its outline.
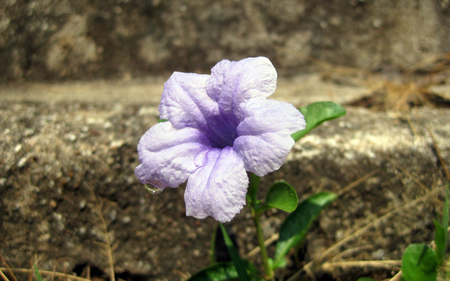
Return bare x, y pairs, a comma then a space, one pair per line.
106, 244
30, 272
399, 94
318, 264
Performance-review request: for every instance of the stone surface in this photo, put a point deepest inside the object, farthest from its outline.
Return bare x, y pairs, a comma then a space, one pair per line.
64, 145
50, 40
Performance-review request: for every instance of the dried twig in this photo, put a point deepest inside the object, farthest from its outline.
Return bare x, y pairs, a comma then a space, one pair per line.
269, 241
360, 231
47, 272
3, 276
389, 264
54, 271
357, 182
7, 268
183, 275
396, 165
397, 277
427, 61
310, 274
107, 243
438, 152
351, 251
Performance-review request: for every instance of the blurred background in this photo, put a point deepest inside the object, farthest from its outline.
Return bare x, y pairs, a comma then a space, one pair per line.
64, 39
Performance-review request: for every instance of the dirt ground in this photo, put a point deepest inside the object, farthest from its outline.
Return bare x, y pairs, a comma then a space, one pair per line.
68, 158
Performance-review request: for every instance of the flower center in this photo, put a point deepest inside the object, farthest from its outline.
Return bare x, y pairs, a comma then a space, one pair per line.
223, 140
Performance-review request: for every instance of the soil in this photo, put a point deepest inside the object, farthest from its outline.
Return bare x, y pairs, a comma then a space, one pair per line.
68, 164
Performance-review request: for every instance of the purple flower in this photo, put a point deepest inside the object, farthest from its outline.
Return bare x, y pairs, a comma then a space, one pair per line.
219, 126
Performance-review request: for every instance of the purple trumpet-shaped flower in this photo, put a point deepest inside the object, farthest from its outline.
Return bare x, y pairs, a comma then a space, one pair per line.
219, 126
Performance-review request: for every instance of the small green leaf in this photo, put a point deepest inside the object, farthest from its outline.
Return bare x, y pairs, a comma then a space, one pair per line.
36, 271
282, 196
281, 264
294, 228
446, 210
238, 263
162, 120
223, 271
441, 235
317, 113
216, 272
440, 240
419, 263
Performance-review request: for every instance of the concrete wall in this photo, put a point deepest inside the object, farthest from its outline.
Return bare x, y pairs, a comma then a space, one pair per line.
45, 39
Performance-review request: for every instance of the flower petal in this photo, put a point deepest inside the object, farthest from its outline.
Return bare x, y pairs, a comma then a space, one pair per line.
263, 116
218, 188
235, 82
265, 134
184, 100
169, 156
185, 103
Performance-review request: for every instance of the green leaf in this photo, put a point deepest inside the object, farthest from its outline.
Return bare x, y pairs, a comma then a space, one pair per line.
282, 196
419, 263
441, 235
294, 228
36, 271
162, 120
216, 272
440, 240
317, 113
238, 263
446, 210
365, 279
223, 271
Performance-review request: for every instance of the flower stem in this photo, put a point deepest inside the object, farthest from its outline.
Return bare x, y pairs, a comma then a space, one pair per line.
254, 180
267, 268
